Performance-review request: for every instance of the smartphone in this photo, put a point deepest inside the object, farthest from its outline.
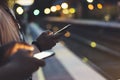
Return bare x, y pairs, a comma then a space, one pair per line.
44, 54
63, 29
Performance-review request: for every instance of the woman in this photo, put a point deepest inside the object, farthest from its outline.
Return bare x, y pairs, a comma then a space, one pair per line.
10, 30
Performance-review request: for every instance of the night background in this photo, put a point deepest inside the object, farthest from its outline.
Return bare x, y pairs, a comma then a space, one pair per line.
93, 39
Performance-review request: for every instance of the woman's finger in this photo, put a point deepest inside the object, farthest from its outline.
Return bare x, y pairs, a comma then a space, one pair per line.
22, 45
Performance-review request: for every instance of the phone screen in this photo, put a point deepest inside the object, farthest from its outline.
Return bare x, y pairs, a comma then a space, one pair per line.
44, 54
63, 29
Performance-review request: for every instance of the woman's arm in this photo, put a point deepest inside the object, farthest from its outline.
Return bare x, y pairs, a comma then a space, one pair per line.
20, 67
20, 63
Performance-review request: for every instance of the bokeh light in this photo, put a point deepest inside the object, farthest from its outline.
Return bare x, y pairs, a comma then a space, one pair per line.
72, 10
55, 29
65, 11
36, 12
85, 59
19, 10
100, 6
89, 1
24, 2
64, 5
47, 11
67, 34
90, 6
93, 44
107, 17
58, 7
53, 9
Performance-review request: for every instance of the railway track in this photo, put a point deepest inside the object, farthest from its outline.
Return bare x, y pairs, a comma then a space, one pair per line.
105, 59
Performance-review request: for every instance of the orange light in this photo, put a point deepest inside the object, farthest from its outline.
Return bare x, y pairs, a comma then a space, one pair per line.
58, 7
90, 7
67, 34
100, 6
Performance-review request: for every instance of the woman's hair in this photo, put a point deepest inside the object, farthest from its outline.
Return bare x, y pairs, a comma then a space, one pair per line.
3, 2
7, 3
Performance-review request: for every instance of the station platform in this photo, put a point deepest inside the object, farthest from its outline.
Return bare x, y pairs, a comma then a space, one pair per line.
65, 65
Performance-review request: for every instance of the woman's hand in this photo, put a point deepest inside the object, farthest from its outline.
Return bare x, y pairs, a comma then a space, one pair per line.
46, 41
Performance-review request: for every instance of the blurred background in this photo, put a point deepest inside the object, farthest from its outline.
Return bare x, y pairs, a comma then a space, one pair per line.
93, 39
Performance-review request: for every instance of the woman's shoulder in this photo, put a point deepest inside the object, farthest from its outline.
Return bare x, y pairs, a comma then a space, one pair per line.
1, 7
1, 10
